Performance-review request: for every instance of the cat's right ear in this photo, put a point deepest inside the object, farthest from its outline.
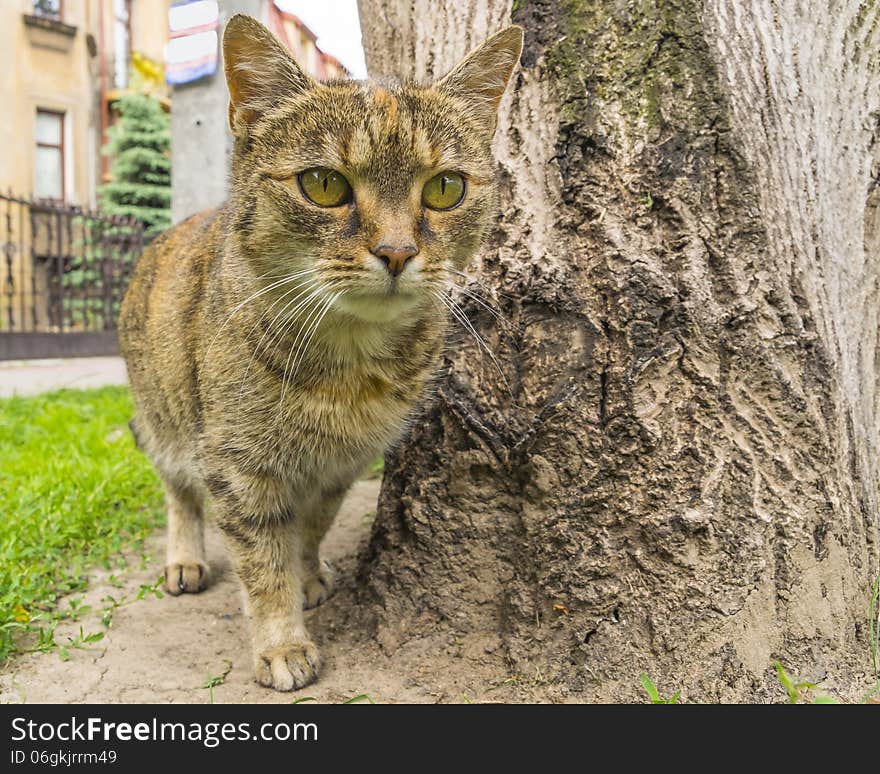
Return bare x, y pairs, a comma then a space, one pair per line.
481, 77
259, 71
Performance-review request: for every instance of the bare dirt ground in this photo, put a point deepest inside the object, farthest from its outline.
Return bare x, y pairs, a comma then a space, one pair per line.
164, 650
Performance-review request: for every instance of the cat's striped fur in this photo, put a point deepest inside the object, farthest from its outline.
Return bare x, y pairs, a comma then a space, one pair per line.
272, 355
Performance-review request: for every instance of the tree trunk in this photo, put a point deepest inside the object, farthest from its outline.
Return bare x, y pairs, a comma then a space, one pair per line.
682, 476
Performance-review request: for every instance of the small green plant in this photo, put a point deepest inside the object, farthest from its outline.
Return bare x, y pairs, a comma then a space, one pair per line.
212, 682
794, 687
654, 694
111, 604
359, 699
152, 590
77, 608
45, 640
79, 642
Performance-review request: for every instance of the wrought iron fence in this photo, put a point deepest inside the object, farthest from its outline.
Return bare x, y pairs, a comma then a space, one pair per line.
64, 271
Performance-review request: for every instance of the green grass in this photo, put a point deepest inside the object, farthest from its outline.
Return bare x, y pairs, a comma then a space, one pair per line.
795, 687
212, 682
654, 694
363, 698
75, 492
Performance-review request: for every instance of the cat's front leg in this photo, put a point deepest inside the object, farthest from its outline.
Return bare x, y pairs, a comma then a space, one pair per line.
186, 569
267, 557
318, 575
267, 553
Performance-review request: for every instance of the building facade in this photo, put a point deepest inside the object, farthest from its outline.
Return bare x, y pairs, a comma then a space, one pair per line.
303, 44
62, 65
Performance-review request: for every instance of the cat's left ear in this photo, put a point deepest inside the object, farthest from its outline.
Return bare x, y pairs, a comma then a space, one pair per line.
481, 77
259, 71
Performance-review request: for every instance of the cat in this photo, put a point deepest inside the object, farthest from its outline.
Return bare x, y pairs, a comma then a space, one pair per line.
276, 346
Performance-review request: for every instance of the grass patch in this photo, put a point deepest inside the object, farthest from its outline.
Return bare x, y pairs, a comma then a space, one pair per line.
212, 682
363, 698
75, 492
654, 694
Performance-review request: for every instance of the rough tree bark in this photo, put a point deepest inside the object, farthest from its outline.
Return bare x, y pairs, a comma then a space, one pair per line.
682, 478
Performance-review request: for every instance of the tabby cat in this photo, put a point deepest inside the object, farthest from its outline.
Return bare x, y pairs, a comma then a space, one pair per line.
276, 346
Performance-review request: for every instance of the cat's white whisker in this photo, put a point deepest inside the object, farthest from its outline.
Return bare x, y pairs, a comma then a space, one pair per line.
300, 337
490, 291
312, 298
269, 328
462, 318
271, 286
314, 330
494, 312
289, 324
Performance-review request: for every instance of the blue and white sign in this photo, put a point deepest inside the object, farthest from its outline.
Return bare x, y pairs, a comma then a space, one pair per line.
192, 51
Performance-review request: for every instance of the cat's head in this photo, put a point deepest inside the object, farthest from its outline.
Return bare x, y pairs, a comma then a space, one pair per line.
375, 192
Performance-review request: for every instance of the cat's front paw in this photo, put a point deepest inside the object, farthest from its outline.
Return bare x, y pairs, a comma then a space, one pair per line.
185, 577
319, 588
289, 667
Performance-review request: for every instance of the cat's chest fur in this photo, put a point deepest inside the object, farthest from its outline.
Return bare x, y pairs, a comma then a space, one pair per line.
347, 399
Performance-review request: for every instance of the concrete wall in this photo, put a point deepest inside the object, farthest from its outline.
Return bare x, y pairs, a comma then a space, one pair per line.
149, 27
201, 144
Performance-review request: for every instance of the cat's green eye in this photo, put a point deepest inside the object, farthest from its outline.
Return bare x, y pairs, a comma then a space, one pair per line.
325, 187
443, 191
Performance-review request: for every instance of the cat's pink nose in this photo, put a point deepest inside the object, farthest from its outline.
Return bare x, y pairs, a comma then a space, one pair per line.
395, 258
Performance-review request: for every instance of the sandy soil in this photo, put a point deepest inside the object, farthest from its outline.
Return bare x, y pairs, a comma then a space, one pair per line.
163, 650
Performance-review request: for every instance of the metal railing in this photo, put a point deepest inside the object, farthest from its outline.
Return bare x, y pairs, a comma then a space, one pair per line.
63, 271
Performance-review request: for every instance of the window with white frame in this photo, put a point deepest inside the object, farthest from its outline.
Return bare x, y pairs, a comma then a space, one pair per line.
49, 155
121, 42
